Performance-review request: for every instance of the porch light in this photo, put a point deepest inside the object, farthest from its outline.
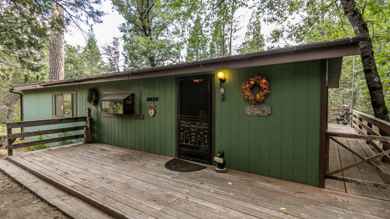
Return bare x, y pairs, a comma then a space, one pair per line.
222, 79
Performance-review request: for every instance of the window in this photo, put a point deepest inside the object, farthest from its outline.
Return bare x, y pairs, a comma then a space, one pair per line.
118, 104
63, 105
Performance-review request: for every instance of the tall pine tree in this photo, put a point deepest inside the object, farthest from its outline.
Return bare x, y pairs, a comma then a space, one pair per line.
254, 39
112, 54
197, 42
148, 32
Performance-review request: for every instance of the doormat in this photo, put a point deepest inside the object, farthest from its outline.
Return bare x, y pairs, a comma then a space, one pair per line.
182, 166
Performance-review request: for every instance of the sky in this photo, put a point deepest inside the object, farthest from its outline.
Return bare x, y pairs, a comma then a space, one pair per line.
109, 28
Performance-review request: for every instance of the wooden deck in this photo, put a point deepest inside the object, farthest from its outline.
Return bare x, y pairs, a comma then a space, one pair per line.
134, 184
372, 184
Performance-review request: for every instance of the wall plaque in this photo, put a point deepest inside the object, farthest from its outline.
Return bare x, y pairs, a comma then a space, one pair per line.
258, 110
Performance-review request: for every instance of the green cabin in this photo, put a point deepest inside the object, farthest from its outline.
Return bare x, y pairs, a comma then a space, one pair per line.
266, 111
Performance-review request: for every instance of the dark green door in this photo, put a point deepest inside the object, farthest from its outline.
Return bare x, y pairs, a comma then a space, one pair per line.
194, 118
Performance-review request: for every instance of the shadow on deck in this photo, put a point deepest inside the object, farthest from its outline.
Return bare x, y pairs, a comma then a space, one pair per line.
372, 183
132, 184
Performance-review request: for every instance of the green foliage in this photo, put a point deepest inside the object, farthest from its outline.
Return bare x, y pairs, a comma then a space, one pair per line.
197, 42
313, 21
224, 25
149, 31
81, 62
254, 39
22, 37
24, 28
112, 54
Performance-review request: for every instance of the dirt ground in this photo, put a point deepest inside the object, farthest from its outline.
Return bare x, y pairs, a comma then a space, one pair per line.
17, 202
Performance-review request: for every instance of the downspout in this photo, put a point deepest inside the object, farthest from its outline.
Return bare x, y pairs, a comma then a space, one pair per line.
11, 90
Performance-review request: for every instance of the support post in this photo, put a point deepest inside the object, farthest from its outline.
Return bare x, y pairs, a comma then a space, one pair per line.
88, 128
9, 141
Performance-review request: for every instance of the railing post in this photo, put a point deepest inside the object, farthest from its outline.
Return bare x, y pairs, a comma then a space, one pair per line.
385, 146
9, 141
369, 125
88, 128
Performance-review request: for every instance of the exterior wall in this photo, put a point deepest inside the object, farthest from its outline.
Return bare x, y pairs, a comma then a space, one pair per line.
284, 145
156, 135
38, 105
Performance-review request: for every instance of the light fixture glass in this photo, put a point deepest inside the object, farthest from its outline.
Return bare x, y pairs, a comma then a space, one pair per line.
221, 75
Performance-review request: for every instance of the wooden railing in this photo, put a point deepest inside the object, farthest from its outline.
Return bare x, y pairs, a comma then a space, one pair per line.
11, 137
369, 125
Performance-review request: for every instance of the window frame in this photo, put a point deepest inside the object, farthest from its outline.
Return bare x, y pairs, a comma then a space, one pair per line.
74, 112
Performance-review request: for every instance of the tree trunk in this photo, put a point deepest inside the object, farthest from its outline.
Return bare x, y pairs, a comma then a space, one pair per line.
373, 80
56, 46
367, 56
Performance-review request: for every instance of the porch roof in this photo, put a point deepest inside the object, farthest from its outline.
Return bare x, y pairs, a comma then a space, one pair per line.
330, 50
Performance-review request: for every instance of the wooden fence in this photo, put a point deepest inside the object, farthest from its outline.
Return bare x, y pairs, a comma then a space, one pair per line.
369, 125
375, 132
11, 136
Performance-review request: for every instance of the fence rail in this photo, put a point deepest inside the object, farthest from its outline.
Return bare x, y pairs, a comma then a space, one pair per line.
10, 142
369, 125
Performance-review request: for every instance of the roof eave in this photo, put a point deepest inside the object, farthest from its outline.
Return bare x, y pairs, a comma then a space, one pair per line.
308, 52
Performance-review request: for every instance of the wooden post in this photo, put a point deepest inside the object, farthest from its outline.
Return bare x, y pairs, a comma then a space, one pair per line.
369, 125
88, 128
9, 141
385, 146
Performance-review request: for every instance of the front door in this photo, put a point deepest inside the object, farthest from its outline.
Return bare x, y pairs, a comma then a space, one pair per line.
194, 113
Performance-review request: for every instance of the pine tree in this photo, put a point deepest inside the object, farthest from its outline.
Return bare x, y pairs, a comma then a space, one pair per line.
56, 45
92, 57
112, 54
148, 32
197, 42
254, 39
224, 26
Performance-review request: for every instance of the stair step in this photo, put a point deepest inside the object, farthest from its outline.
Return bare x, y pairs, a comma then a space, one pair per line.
70, 205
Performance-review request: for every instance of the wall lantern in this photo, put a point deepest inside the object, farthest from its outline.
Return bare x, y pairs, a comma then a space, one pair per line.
222, 79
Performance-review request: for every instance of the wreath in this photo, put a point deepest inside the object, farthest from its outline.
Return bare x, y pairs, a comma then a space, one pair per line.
255, 89
93, 96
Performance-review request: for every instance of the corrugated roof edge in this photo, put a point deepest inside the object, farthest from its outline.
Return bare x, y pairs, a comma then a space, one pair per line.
156, 71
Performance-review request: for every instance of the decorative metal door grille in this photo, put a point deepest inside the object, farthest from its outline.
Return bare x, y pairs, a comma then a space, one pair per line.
193, 131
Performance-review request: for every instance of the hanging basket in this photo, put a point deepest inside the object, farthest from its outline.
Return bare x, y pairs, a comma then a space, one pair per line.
255, 90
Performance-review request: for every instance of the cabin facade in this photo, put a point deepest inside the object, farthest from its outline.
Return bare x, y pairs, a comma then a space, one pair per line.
194, 110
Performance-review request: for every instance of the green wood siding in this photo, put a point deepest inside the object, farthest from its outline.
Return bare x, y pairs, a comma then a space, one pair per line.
39, 105
284, 145
157, 134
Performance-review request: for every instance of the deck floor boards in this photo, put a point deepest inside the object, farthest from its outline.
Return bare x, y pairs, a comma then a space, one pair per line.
137, 185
